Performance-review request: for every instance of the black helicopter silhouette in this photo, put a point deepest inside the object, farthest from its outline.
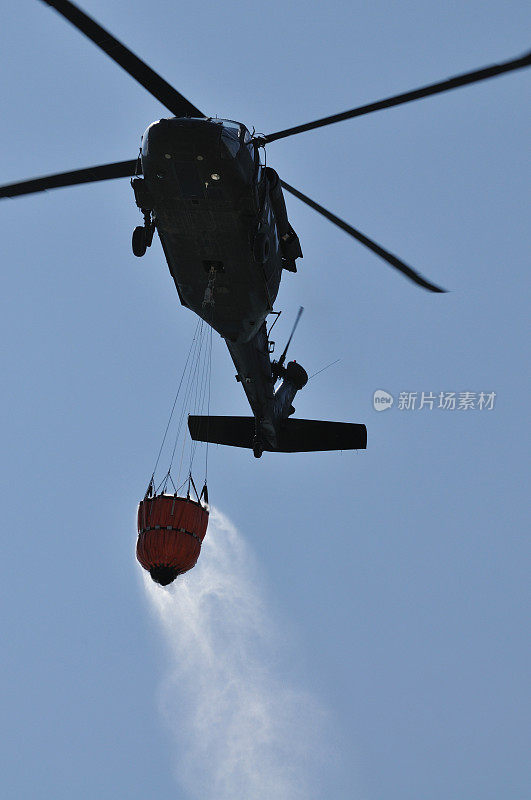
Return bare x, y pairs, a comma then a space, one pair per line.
222, 222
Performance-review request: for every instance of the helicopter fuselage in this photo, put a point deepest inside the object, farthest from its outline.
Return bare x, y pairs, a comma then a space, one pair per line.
208, 197
222, 222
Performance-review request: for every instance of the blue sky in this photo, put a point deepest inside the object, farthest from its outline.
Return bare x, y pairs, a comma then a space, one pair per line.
396, 577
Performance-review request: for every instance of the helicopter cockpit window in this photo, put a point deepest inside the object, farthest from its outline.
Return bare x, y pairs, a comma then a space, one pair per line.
247, 140
230, 135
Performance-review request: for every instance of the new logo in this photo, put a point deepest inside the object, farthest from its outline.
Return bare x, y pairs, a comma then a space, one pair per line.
382, 400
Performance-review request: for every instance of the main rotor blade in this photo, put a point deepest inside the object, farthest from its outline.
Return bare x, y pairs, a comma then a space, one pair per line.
385, 254
283, 356
408, 97
157, 86
120, 169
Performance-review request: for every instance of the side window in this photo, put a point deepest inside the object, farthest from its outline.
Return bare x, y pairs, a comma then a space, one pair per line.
231, 137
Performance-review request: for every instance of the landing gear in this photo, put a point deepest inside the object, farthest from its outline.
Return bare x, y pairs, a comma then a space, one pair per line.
143, 235
291, 249
289, 264
139, 241
258, 445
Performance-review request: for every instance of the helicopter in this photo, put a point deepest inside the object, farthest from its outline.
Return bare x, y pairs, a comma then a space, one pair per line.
220, 215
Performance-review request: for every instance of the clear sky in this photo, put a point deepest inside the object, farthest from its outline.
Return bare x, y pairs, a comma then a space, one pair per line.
394, 579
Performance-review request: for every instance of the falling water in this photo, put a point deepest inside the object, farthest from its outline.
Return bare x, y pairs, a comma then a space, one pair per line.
242, 729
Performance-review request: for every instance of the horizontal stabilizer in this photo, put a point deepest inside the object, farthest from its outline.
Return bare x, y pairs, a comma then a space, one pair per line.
294, 435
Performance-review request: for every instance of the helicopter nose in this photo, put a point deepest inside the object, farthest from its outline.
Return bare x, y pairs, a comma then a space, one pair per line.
164, 140
180, 139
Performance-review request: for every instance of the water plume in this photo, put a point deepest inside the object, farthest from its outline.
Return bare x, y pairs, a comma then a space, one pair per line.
242, 729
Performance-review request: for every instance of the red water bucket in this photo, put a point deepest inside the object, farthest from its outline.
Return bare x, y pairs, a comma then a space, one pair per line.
170, 532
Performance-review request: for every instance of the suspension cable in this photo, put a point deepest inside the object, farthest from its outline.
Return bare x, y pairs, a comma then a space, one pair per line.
175, 400
195, 389
208, 404
188, 393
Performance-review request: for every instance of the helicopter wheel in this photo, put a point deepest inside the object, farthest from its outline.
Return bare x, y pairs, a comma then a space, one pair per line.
139, 241
257, 448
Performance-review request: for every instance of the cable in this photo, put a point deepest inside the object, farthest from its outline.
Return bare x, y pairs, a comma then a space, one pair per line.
175, 401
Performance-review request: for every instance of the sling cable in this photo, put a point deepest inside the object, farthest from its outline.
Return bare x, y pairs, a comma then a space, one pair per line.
172, 525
